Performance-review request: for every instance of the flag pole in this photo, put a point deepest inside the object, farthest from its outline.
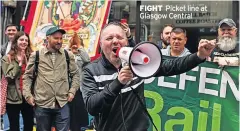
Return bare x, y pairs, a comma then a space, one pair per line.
24, 14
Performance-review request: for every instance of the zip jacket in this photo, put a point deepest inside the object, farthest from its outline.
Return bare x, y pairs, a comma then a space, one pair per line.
104, 95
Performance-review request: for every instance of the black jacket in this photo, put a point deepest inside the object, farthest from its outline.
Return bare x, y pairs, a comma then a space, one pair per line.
3, 49
101, 88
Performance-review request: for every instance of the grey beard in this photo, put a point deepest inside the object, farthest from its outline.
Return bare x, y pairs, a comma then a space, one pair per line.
227, 43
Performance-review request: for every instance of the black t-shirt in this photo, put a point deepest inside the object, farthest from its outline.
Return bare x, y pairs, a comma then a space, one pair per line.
228, 54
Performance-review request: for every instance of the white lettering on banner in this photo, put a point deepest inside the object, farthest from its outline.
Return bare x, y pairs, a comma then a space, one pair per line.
203, 80
185, 77
150, 80
227, 79
162, 83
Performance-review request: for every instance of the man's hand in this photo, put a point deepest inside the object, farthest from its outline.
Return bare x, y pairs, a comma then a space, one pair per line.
226, 61
30, 101
223, 62
125, 75
70, 97
126, 29
205, 48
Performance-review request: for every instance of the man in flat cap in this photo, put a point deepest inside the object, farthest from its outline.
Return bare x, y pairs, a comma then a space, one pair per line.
227, 50
51, 91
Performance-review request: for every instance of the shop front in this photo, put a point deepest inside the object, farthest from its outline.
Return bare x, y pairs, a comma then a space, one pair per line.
199, 18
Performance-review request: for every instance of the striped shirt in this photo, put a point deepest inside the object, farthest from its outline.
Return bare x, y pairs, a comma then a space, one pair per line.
53, 56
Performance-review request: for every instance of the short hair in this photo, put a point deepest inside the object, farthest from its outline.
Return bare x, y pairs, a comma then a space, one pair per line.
116, 23
8, 25
178, 30
166, 25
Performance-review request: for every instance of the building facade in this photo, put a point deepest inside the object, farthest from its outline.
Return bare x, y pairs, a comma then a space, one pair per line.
199, 18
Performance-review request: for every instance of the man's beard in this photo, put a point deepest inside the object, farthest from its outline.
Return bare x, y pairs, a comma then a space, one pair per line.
166, 42
227, 43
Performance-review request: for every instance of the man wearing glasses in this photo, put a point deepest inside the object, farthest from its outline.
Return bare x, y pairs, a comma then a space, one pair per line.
227, 50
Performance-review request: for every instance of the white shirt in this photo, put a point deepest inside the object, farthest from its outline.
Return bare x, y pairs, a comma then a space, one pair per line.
53, 57
8, 47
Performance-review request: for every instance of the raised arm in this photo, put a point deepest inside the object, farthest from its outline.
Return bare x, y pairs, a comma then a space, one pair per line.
183, 64
178, 65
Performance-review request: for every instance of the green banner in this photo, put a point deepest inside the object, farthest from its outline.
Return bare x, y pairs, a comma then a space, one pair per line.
203, 99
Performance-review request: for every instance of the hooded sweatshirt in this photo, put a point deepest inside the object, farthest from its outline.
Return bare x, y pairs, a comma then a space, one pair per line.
167, 51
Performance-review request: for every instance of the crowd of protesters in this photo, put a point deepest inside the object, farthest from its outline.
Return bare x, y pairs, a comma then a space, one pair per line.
54, 85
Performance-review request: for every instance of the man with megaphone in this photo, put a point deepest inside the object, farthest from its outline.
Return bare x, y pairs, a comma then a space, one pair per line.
113, 94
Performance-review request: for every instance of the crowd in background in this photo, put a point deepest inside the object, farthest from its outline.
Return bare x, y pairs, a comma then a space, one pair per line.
51, 85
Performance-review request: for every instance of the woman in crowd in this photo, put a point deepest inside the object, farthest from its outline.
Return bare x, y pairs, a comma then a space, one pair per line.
13, 67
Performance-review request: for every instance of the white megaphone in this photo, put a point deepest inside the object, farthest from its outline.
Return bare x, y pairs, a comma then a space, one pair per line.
144, 59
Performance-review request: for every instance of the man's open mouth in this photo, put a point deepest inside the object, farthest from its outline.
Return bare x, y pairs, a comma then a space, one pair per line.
115, 49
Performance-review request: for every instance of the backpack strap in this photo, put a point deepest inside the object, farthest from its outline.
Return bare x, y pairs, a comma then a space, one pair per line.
68, 70
35, 70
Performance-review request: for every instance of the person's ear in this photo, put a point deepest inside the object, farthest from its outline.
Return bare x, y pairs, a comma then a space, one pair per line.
48, 38
161, 36
185, 39
236, 30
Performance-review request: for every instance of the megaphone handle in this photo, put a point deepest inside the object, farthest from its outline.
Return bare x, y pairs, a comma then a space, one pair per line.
124, 63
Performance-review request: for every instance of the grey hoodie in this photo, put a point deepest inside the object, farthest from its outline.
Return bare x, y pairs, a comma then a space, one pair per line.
166, 52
